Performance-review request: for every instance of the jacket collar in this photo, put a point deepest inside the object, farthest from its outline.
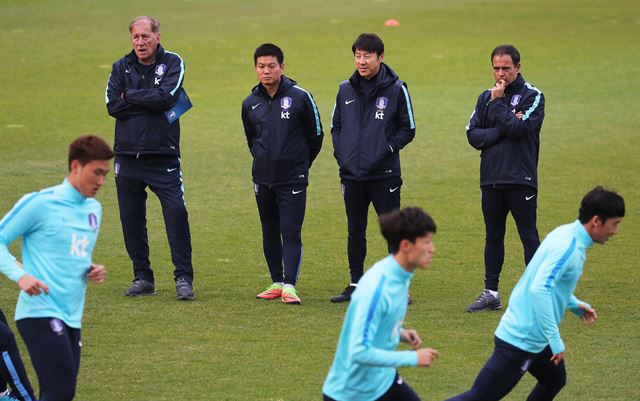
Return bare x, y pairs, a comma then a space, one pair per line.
70, 193
583, 236
285, 84
397, 272
515, 85
133, 59
385, 77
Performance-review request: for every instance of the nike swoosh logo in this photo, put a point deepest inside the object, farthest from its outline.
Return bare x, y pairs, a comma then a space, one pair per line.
127, 71
171, 169
297, 192
349, 101
255, 105
393, 189
529, 197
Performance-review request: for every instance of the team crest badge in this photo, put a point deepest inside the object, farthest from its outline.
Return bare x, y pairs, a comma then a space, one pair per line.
381, 103
56, 326
161, 69
286, 103
515, 100
93, 221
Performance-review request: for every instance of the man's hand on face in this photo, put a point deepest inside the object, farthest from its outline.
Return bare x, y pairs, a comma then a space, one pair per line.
498, 89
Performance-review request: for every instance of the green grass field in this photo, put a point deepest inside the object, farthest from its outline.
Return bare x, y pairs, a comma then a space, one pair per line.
585, 57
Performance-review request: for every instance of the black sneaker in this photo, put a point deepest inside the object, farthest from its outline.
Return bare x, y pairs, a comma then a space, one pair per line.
485, 301
140, 287
345, 296
184, 290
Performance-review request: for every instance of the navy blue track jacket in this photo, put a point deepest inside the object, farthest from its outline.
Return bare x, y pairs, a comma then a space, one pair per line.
284, 133
368, 132
509, 146
137, 97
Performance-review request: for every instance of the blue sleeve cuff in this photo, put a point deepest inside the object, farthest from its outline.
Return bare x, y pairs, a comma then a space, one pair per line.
557, 346
10, 268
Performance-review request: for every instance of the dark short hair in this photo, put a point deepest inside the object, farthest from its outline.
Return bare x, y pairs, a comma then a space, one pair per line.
369, 42
408, 223
509, 50
89, 148
268, 49
155, 24
602, 203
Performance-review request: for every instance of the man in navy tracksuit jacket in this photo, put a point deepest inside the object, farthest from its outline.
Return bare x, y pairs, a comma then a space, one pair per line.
284, 134
372, 120
505, 127
142, 86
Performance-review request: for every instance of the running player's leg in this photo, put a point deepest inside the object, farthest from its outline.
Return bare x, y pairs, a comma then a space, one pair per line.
399, 391
499, 375
13, 372
54, 355
551, 377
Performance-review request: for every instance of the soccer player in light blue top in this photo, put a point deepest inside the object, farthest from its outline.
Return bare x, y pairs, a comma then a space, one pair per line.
59, 228
364, 367
528, 337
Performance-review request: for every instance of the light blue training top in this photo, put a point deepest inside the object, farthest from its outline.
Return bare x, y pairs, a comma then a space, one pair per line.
366, 359
545, 291
59, 228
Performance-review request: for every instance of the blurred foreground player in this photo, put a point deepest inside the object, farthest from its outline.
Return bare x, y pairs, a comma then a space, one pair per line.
364, 368
59, 228
528, 336
12, 369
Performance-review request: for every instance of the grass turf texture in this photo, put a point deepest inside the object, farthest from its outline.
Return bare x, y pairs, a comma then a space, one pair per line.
228, 346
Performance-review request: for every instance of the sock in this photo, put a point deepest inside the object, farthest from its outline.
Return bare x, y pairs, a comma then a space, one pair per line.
353, 284
280, 283
287, 286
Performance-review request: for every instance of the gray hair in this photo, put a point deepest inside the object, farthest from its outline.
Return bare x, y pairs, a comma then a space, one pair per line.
155, 24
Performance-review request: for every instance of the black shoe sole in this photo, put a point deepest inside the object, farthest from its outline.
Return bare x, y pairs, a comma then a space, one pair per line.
487, 309
139, 295
339, 301
185, 298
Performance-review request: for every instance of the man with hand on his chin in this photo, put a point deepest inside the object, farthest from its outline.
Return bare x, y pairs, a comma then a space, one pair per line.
505, 127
